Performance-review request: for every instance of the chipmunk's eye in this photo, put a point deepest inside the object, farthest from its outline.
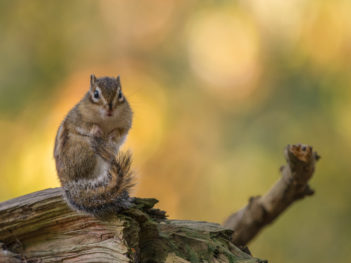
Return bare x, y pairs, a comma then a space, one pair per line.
120, 96
96, 94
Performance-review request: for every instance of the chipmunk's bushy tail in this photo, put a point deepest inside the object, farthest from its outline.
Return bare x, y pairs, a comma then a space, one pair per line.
107, 194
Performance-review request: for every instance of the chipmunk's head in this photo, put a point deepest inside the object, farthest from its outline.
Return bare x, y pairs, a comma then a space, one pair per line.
106, 97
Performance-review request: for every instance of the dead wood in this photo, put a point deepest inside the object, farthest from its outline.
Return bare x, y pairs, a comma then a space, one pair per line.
40, 227
292, 186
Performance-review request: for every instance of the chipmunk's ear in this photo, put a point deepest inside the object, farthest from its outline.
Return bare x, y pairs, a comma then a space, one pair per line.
92, 80
118, 79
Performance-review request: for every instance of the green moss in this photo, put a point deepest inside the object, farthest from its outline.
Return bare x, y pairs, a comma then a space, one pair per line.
151, 240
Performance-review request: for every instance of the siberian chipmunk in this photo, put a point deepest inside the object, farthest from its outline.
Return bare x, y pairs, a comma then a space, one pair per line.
87, 142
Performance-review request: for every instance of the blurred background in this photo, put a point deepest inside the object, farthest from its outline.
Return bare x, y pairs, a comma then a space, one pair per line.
218, 89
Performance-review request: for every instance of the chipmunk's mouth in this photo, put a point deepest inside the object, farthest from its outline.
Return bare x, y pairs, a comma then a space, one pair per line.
109, 113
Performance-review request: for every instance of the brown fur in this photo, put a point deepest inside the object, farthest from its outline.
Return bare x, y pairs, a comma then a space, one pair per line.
86, 145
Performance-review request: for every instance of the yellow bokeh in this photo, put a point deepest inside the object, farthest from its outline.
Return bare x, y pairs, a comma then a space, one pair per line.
326, 35
224, 52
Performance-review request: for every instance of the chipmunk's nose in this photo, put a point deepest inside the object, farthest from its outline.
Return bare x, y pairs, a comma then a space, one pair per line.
110, 106
109, 111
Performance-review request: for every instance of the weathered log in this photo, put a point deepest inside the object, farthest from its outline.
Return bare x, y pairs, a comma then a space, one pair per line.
40, 227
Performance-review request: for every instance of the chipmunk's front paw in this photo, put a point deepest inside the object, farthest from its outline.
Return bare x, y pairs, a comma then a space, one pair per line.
112, 138
114, 135
96, 131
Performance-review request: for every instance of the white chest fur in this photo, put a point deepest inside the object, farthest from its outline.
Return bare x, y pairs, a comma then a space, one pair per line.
101, 170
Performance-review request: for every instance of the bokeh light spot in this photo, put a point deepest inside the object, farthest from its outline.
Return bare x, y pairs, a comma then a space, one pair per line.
224, 53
